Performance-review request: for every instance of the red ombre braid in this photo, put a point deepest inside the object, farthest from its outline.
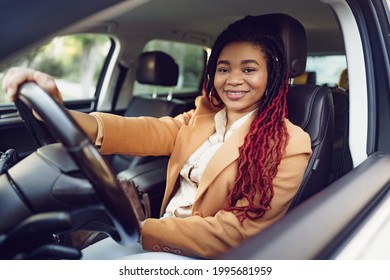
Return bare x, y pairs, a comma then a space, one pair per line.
259, 158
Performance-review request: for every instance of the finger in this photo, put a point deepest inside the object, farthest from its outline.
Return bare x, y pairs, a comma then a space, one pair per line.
14, 78
48, 84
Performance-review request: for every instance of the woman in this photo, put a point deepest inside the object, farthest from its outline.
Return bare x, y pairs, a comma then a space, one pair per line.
236, 161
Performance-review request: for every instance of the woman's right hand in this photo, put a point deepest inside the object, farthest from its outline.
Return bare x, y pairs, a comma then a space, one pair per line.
16, 76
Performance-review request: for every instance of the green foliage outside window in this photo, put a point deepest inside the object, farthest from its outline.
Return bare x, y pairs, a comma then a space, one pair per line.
75, 61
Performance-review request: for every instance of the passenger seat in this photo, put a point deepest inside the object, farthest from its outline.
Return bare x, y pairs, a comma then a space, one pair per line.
158, 69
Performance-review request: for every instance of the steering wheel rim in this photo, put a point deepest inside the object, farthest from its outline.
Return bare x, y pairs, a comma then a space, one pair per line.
87, 157
36, 128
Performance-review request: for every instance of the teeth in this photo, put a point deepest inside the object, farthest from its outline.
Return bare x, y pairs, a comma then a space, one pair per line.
234, 92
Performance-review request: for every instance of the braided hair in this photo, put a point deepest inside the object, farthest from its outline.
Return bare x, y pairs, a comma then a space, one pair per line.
267, 138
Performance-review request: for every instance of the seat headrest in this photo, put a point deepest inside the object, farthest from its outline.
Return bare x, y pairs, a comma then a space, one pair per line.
343, 80
293, 35
307, 78
157, 68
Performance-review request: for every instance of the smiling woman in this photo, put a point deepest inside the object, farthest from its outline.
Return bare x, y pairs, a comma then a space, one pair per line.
228, 187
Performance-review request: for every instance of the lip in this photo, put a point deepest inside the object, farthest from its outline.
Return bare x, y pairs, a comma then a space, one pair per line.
234, 94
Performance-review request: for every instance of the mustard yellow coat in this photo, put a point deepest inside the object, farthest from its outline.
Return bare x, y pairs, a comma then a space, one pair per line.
210, 231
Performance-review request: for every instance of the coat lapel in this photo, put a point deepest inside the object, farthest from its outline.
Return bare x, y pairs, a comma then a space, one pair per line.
224, 156
190, 138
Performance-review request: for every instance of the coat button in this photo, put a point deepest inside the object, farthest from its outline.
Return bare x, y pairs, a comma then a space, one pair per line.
177, 251
156, 247
166, 249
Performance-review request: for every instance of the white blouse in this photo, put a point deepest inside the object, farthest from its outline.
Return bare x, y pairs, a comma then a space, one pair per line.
181, 203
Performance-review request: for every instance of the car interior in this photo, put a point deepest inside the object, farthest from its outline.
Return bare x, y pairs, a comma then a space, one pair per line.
309, 106
323, 110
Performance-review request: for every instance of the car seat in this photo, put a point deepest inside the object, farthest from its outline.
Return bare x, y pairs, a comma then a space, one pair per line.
158, 69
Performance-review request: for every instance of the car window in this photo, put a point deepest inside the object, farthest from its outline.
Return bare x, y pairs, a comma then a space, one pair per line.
75, 61
191, 60
328, 68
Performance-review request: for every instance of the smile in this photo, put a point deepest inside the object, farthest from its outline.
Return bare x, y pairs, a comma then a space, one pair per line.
234, 94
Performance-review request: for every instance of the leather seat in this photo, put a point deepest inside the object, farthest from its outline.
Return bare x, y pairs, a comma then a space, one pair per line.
158, 69
309, 106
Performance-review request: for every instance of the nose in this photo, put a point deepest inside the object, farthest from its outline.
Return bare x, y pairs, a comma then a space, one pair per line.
235, 78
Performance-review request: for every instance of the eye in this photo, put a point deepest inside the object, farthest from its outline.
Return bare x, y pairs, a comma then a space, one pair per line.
248, 70
223, 70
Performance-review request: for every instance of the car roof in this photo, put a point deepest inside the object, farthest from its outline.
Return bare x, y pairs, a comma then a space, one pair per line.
204, 19
180, 20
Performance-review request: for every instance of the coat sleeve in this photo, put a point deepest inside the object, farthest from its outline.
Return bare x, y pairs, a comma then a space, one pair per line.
139, 136
209, 236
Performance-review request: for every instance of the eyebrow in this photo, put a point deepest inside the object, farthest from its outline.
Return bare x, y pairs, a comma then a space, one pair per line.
246, 61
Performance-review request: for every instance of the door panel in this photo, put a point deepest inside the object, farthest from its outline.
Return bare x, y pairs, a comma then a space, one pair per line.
320, 226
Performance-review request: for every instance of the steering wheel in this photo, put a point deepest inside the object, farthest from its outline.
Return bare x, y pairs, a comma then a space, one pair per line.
64, 128
36, 128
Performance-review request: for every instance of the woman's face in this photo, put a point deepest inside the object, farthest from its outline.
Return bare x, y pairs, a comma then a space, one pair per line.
241, 77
